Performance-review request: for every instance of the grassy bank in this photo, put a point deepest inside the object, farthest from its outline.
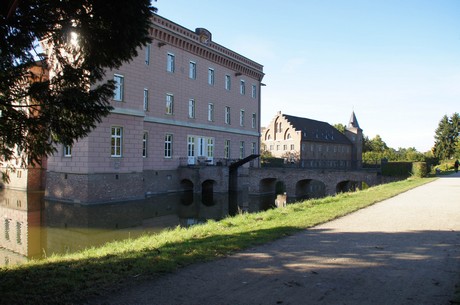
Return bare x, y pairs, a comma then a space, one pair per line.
72, 278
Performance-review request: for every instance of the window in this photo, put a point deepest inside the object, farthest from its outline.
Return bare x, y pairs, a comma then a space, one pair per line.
118, 93
253, 148
292, 147
210, 146
254, 91
147, 54
192, 70
242, 149
228, 82
242, 87
241, 117
146, 99
68, 151
191, 108
117, 140
210, 112
168, 145
7, 228
254, 120
285, 147
170, 64
18, 233
144, 144
211, 76
227, 115
191, 146
227, 149
169, 103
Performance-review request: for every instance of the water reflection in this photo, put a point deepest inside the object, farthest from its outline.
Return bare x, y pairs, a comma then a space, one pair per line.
31, 227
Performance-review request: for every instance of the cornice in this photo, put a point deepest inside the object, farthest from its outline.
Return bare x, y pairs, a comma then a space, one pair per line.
168, 32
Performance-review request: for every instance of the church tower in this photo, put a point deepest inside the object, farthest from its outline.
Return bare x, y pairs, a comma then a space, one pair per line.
355, 134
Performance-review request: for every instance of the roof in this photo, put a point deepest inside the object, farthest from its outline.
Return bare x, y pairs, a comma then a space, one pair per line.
353, 121
317, 131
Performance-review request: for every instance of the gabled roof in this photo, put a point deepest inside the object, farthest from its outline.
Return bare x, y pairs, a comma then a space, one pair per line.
317, 131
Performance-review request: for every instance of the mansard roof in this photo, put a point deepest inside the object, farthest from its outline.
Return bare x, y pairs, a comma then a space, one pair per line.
317, 131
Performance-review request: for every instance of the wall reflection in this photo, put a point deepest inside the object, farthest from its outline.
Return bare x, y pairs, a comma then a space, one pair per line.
31, 227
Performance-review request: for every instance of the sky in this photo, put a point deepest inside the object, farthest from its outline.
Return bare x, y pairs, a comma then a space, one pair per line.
395, 63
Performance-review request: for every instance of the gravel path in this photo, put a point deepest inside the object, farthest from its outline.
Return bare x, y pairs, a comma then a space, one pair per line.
404, 250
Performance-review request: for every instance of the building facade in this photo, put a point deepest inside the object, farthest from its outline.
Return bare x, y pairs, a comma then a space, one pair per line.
184, 102
313, 144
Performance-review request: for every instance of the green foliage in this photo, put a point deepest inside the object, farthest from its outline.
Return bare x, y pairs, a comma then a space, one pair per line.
420, 169
397, 169
82, 40
340, 127
446, 137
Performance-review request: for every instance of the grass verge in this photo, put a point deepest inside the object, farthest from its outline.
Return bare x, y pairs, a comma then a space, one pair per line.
68, 279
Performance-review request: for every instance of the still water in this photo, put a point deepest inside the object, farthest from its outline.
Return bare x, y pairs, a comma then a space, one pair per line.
31, 227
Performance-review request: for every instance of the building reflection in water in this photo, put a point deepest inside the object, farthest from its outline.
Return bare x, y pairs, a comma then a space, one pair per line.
34, 228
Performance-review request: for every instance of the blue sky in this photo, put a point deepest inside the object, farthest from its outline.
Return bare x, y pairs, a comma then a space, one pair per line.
396, 63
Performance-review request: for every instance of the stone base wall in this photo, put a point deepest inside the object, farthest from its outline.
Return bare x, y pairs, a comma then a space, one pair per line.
111, 187
94, 188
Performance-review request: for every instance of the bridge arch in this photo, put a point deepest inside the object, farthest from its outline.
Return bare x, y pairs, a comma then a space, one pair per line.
207, 192
348, 186
186, 196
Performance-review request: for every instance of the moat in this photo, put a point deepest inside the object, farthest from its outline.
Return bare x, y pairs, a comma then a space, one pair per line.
32, 227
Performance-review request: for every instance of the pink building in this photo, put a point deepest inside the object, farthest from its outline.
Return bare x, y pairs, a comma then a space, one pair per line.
184, 109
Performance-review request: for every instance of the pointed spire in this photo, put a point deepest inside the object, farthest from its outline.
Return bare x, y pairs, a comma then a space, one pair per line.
353, 121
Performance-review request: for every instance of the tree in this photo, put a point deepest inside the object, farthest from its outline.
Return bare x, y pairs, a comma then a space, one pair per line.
340, 127
82, 40
446, 137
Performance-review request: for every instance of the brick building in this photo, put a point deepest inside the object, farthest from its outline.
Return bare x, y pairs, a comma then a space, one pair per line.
184, 101
313, 144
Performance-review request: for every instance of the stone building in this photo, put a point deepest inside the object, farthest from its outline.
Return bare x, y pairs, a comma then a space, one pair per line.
22, 175
184, 108
313, 144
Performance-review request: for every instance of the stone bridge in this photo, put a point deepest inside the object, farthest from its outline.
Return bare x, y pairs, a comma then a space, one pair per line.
300, 183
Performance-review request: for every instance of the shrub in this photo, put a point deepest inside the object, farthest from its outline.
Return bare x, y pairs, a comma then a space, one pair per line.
420, 169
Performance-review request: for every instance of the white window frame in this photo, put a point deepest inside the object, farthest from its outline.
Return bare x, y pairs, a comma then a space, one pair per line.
227, 149
211, 112
145, 138
228, 82
254, 120
116, 143
168, 148
227, 115
191, 108
147, 54
210, 147
146, 99
242, 87
254, 91
190, 146
119, 87
254, 148
67, 151
211, 76
169, 103
242, 117
242, 150
192, 70
170, 62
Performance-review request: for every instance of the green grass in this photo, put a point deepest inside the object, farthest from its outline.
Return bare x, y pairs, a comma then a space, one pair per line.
97, 271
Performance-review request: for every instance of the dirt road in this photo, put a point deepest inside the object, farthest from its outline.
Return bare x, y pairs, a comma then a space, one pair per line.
405, 250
